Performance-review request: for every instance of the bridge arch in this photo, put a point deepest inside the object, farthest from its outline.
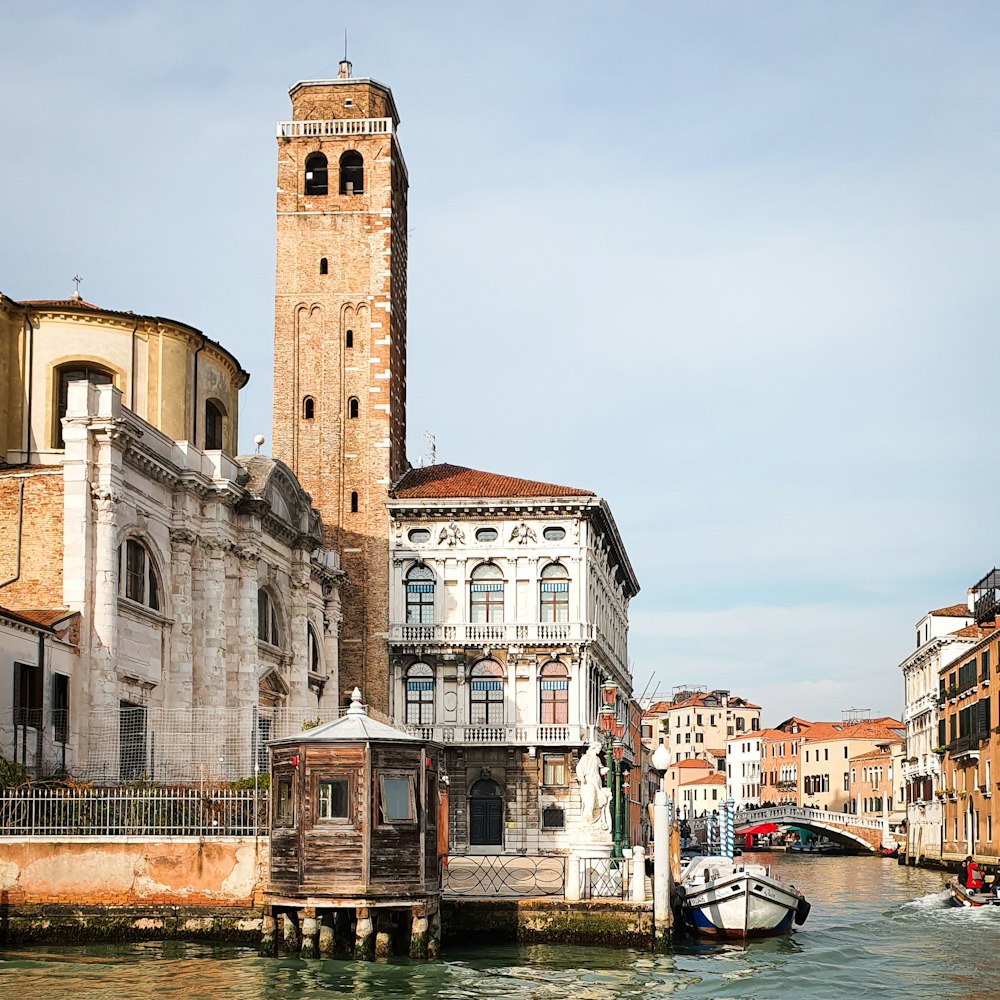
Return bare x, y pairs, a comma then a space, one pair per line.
840, 828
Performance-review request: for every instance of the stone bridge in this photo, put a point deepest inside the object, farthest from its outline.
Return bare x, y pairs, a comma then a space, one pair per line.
841, 828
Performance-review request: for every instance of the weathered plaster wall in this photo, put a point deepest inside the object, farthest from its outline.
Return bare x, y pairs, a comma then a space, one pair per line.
85, 871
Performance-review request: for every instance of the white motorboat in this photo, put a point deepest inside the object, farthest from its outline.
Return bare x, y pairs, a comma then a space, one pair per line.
722, 897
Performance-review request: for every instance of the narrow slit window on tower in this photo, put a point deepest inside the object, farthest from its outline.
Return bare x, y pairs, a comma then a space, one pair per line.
316, 174
352, 408
352, 173
349, 339
308, 408
324, 267
354, 503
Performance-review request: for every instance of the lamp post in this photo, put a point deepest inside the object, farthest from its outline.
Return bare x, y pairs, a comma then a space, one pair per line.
613, 750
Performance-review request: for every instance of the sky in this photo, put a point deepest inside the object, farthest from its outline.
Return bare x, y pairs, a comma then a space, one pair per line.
730, 265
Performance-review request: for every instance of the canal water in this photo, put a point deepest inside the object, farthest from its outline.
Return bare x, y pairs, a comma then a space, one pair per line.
875, 929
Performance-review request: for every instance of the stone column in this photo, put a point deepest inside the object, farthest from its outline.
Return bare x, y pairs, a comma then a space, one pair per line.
104, 683
290, 931
268, 944
298, 618
661, 869
179, 681
245, 694
210, 686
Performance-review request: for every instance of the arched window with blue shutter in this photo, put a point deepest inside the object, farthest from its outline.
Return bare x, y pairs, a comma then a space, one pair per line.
486, 694
420, 695
554, 594
486, 594
553, 683
420, 595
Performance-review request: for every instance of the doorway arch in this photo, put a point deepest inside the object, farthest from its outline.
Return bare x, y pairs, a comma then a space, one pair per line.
486, 814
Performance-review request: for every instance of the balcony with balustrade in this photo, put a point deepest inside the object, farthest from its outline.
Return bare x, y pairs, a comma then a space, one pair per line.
334, 127
492, 633
540, 736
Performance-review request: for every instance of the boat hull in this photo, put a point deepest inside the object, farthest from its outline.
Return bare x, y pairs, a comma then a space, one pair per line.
959, 895
739, 904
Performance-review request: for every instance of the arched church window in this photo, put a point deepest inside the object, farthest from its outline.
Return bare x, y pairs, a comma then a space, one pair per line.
354, 503
316, 174
308, 408
352, 408
267, 619
349, 338
213, 425
352, 173
137, 578
324, 267
76, 372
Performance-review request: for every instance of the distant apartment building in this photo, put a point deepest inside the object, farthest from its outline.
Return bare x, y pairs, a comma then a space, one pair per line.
942, 636
779, 771
697, 722
743, 770
825, 753
877, 788
967, 738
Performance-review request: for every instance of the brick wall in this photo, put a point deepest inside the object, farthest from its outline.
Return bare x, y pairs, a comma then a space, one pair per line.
362, 237
40, 582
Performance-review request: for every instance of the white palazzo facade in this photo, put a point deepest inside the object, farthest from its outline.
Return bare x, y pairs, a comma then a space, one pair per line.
508, 610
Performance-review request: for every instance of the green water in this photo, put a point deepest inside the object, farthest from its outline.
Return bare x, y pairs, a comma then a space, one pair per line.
875, 929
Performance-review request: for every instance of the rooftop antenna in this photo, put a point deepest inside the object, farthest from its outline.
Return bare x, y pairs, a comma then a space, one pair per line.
344, 72
431, 446
76, 279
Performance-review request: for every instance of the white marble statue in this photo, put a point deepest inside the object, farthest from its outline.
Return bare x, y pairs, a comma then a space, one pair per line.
594, 797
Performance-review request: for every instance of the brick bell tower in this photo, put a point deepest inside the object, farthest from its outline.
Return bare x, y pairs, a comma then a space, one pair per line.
340, 340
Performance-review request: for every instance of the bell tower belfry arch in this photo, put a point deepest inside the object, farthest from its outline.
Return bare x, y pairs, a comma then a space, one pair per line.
340, 339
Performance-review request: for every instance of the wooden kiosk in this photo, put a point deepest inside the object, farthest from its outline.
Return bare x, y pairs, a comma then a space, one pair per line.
355, 863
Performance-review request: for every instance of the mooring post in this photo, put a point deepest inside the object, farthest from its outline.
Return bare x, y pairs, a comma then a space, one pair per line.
364, 936
309, 931
326, 935
638, 874
573, 877
418, 932
661, 869
268, 945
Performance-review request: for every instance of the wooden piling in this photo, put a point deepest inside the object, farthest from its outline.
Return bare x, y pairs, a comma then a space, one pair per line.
364, 936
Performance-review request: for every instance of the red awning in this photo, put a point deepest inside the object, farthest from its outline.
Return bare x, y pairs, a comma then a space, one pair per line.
761, 828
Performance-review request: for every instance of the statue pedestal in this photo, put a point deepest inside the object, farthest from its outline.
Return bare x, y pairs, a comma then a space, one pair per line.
586, 855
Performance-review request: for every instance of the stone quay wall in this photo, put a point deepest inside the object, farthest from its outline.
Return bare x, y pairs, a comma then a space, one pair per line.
133, 871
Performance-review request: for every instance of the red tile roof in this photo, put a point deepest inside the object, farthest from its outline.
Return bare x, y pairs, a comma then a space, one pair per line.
953, 611
875, 753
974, 632
692, 762
436, 481
64, 304
45, 618
709, 779
875, 730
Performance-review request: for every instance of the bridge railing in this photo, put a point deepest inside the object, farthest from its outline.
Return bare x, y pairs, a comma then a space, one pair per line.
780, 814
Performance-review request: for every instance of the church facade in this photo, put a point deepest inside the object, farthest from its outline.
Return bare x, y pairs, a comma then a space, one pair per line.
192, 586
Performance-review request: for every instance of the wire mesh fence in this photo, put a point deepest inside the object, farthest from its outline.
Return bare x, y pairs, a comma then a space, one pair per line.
120, 812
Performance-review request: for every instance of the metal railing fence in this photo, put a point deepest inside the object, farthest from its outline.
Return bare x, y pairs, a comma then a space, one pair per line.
132, 812
504, 876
